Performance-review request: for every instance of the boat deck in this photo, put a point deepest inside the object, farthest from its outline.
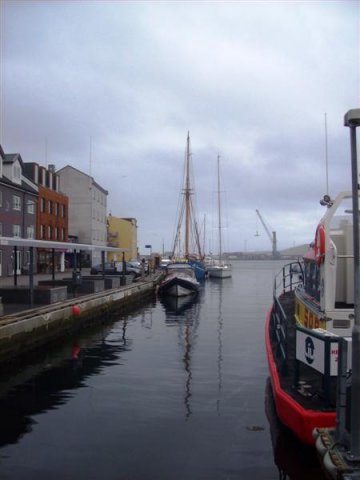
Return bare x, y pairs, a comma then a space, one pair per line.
306, 388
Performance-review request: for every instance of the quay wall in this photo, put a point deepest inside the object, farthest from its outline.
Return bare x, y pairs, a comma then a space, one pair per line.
25, 331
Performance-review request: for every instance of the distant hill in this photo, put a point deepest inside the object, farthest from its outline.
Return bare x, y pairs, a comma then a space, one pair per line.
293, 252
298, 250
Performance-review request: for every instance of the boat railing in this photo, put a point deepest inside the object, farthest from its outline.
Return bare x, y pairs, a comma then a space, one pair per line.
288, 278
285, 281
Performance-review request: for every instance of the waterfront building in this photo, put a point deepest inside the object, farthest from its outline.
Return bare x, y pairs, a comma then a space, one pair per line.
87, 210
122, 233
51, 215
18, 200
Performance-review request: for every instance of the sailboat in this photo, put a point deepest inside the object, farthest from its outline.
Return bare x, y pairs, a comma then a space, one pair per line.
187, 216
219, 269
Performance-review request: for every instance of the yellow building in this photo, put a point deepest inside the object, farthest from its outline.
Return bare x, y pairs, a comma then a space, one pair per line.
122, 233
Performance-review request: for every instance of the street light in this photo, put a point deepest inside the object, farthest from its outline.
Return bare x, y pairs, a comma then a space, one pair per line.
352, 120
149, 246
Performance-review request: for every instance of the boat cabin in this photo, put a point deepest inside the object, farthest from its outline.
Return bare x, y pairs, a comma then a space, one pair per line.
326, 297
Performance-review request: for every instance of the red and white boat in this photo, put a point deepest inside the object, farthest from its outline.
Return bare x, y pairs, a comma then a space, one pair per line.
313, 308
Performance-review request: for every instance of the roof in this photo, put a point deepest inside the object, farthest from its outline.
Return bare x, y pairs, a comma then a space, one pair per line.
30, 242
12, 157
86, 175
24, 186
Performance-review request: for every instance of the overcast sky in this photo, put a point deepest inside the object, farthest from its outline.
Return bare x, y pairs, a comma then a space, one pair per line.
251, 81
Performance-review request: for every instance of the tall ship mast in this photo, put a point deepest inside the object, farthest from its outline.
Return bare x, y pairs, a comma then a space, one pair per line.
192, 252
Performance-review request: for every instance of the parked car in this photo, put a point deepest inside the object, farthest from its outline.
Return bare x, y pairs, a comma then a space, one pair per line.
115, 268
134, 263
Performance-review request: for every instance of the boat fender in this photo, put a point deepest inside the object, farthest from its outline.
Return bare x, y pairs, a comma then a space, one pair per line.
320, 244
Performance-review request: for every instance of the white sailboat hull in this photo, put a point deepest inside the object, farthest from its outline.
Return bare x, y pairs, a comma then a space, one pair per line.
220, 271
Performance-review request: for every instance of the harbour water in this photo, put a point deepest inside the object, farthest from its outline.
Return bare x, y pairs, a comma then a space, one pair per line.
171, 391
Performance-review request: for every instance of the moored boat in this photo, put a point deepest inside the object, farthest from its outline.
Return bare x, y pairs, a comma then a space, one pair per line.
179, 281
191, 251
313, 308
219, 269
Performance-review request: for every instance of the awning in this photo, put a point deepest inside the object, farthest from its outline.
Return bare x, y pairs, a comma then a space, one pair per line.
65, 246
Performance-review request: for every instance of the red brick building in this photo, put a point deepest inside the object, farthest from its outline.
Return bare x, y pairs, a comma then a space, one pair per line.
52, 215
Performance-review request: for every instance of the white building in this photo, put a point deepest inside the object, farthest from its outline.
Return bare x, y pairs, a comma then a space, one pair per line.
87, 208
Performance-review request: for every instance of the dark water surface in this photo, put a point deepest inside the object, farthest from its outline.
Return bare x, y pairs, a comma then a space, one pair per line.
169, 392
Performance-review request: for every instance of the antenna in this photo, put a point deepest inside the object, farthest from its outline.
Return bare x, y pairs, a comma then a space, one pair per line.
326, 156
2, 74
90, 157
46, 152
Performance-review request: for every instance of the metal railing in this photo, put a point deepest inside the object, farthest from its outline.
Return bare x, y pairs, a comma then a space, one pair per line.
285, 281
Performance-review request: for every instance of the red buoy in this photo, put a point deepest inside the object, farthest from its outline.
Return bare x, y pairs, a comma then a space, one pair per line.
75, 352
76, 310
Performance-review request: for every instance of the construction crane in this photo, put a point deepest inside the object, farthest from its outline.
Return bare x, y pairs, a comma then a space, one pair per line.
271, 235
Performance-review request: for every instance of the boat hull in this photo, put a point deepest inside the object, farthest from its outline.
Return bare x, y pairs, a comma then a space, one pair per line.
199, 269
300, 420
219, 272
178, 287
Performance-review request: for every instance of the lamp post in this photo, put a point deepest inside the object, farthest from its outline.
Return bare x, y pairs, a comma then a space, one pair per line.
352, 120
150, 247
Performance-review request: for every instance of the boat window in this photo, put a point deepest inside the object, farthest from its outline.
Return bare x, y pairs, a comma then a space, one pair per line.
312, 279
343, 215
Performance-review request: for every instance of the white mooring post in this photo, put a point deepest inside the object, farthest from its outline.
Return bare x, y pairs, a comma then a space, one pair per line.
352, 120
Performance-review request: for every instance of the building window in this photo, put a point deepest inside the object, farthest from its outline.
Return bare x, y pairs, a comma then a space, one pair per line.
30, 231
31, 206
50, 209
16, 203
62, 234
42, 205
42, 231
17, 172
56, 208
62, 211
55, 233
50, 232
16, 231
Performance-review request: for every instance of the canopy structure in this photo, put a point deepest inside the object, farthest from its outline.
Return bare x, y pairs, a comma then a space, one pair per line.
69, 247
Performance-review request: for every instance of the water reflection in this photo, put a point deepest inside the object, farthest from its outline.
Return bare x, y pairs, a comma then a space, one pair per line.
220, 347
175, 306
46, 385
195, 374
184, 313
294, 460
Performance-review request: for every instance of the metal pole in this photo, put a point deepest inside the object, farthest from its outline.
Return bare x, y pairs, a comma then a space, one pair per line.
53, 263
341, 392
31, 277
352, 120
15, 265
123, 268
103, 262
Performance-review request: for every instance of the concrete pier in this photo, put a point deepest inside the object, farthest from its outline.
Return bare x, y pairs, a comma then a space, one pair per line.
25, 330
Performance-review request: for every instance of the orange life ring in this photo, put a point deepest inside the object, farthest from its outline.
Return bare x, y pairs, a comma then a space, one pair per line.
319, 244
